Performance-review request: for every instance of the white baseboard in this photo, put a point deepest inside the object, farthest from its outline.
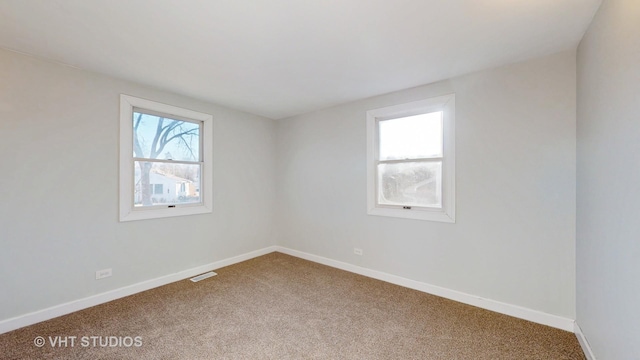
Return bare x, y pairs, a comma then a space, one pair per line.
488, 304
500, 307
584, 343
76, 305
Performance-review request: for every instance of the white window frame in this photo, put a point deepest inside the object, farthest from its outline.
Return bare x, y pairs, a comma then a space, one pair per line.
446, 213
127, 173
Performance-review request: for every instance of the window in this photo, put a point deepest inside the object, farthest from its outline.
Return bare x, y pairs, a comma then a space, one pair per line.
165, 155
411, 160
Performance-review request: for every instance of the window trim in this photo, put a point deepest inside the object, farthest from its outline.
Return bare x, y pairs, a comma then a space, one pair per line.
126, 191
446, 104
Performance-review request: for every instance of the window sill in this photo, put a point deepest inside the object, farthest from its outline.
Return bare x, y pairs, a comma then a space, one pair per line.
144, 214
414, 214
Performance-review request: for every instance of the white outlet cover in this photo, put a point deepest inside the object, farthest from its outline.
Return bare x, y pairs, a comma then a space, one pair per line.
101, 274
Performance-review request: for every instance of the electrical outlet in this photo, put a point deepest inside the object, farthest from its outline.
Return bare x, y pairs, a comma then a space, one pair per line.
357, 251
101, 274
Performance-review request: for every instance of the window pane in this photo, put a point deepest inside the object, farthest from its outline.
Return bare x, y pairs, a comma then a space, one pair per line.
166, 183
410, 184
156, 137
412, 137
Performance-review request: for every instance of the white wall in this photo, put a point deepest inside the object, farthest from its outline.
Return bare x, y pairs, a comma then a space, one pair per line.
59, 193
514, 239
608, 182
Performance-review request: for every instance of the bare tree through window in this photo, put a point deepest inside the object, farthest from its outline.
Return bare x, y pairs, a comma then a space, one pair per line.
175, 144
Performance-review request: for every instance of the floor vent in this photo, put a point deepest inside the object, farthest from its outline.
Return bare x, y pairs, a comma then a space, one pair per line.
203, 276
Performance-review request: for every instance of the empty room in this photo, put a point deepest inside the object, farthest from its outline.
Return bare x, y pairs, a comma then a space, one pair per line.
286, 179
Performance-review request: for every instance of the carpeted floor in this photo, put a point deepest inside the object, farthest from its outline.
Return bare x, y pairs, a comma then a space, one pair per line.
281, 307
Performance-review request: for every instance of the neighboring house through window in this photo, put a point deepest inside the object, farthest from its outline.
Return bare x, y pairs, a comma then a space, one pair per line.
411, 160
165, 159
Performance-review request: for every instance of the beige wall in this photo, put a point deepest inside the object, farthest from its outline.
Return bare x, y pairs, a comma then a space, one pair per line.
59, 194
514, 236
608, 228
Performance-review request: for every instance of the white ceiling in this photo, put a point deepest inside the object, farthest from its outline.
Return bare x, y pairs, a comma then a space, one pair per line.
279, 58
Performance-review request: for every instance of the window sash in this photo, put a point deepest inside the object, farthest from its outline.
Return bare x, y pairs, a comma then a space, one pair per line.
204, 164
411, 198
170, 117
430, 159
390, 206
377, 162
167, 161
200, 163
172, 205
380, 121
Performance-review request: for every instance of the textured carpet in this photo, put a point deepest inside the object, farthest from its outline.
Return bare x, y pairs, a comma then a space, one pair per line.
281, 307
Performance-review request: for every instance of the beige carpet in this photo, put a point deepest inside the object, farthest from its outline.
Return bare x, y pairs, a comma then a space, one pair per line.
280, 307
